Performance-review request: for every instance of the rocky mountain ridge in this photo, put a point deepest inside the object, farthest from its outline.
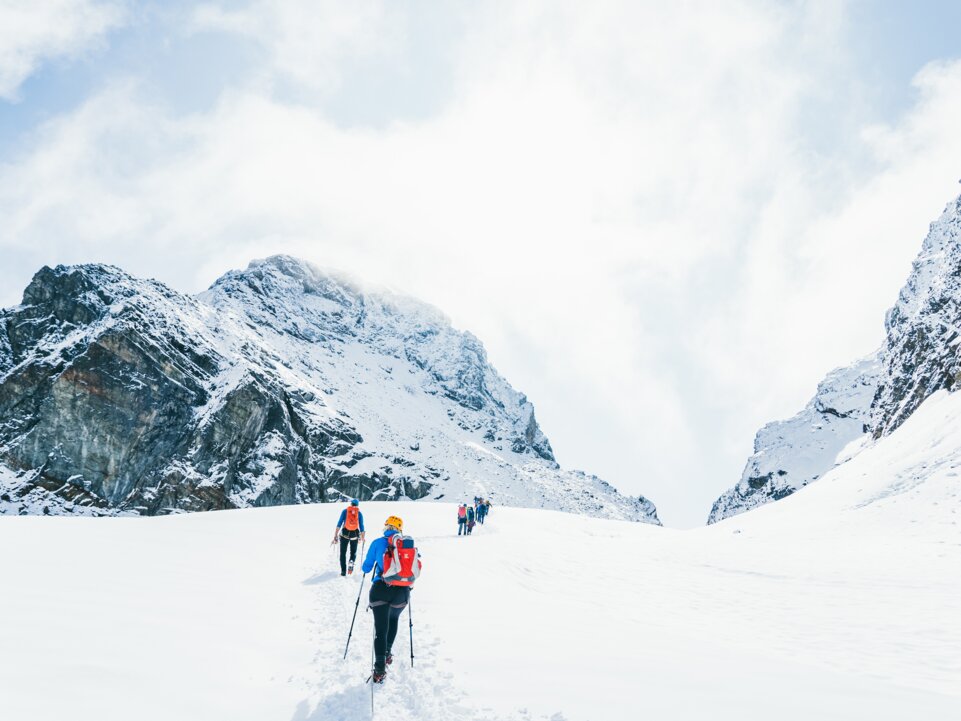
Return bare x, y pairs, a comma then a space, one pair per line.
790, 454
280, 384
874, 396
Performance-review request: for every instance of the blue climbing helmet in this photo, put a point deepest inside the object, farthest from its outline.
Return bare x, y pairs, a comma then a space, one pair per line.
354, 502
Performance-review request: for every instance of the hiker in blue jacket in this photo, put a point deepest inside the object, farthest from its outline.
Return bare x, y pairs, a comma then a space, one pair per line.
350, 530
386, 602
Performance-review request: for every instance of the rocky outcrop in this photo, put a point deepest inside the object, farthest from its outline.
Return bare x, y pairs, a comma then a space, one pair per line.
876, 395
923, 328
281, 384
790, 454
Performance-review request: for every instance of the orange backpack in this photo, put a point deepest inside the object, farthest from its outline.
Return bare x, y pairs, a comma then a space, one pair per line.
352, 522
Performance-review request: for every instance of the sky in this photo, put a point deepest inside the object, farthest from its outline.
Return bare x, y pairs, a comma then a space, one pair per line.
666, 221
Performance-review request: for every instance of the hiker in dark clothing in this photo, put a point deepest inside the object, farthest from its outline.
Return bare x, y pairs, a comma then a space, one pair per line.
470, 520
481, 512
386, 601
350, 529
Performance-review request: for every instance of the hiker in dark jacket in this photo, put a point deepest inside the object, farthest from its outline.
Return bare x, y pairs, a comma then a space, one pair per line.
350, 529
470, 520
386, 602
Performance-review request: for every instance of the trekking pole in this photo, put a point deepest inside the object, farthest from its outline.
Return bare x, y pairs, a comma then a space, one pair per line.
411, 621
356, 605
373, 644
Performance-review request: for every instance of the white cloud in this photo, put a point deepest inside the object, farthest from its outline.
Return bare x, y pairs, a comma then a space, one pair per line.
306, 41
624, 202
32, 32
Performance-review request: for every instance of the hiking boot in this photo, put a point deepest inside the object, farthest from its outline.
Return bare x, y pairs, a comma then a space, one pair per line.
390, 658
379, 673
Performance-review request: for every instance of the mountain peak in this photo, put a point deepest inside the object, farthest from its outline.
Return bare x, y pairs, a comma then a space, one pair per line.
918, 358
282, 383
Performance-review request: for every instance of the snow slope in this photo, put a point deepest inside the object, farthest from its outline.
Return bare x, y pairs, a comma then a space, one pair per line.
841, 602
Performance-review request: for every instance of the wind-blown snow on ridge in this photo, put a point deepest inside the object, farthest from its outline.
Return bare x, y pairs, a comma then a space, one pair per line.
281, 384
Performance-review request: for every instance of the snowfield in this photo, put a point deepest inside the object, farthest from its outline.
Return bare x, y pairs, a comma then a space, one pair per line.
840, 602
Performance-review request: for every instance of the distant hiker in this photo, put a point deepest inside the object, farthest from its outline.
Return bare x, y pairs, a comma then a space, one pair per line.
487, 507
396, 565
470, 519
481, 512
350, 529
462, 519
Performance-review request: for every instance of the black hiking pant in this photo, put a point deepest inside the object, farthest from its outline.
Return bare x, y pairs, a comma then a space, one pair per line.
386, 603
348, 538
461, 526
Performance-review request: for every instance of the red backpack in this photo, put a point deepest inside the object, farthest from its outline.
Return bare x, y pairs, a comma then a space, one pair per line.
351, 522
401, 562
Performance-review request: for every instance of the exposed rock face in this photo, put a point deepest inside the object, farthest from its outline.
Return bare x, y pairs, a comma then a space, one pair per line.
923, 328
790, 454
918, 357
281, 384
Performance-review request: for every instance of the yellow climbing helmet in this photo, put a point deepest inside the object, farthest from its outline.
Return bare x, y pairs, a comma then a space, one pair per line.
394, 522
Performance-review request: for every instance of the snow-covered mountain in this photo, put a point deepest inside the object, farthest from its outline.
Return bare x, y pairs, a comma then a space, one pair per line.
920, 355
875, 395
280, 384
790, 454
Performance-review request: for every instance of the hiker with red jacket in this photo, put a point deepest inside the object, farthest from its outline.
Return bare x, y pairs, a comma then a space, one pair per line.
396, 565
462, 519
350, 529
